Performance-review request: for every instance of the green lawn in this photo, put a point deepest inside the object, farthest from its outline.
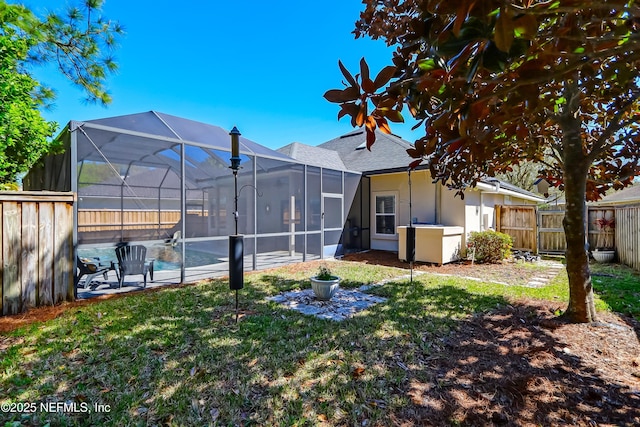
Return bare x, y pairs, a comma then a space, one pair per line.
177, 357
618, 288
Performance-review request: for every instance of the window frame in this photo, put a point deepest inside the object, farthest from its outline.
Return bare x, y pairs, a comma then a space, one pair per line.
375, 214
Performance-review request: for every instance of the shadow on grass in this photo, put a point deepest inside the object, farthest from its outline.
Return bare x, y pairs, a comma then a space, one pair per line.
619, 287
434, 354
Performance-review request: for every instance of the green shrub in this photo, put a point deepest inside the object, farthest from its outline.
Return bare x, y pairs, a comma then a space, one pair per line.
490, 246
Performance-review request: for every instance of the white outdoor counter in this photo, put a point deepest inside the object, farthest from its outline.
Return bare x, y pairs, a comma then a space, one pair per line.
437, 244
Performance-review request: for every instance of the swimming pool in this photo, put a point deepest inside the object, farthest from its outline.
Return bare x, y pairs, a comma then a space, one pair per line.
166, 257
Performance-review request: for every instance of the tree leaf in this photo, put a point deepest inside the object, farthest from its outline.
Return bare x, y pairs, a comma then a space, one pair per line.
347, 75
371, 138
427, 64
364, 69
454, 144
383, 125
362, 114
357, 372
350, 109
367, 83
384, 76
526, 25
412, 152
394, 115
333, 95
370, 123
338, 96
504, 31
462, 12
415, 164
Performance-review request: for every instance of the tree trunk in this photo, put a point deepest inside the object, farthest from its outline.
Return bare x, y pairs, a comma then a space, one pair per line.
581, 307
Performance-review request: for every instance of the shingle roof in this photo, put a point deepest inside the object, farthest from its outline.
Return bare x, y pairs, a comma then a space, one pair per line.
388, 153
628, 195
313, 156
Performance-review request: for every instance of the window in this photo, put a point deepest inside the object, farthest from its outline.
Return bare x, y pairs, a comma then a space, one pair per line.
385, 212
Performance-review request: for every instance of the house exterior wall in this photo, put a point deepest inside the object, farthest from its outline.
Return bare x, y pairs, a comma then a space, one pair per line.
480, 209
453, 209
423, 200
475, 213
489, 202
423, 197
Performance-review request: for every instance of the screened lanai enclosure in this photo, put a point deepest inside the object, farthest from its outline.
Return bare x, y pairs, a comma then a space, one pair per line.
165, 182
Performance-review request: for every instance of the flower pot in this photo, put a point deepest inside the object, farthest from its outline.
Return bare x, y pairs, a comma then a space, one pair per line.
603, 256
324, 289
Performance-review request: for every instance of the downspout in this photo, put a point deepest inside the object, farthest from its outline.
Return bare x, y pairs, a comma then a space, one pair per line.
480, 224
438, 219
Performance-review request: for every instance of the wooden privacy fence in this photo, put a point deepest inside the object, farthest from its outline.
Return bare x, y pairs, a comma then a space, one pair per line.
519, 222
112, 226
551, 232
624, 236
628, 235
37, 249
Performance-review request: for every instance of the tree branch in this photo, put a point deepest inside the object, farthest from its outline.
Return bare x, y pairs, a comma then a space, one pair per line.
600, 146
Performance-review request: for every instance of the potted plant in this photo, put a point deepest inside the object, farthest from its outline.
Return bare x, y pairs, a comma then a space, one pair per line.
324, 284
604, 251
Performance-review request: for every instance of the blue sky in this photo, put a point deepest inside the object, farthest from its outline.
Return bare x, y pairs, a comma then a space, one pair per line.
262, 66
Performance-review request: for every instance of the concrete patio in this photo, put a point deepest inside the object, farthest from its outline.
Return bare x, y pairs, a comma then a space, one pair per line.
99, 286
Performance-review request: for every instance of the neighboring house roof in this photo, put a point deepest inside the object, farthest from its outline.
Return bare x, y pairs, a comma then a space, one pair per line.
389, 153
625, 196
313, 156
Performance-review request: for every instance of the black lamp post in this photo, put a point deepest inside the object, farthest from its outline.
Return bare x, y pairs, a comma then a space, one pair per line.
236, 242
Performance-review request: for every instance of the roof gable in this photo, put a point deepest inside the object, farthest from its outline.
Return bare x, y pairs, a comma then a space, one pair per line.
313, 156
627, 195
389, 151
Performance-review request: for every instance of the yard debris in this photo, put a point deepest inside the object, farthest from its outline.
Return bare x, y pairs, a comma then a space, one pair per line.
525, 256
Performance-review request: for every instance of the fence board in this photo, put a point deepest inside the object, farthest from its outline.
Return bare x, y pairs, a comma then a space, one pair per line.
551, 232
45, 254
29, 259
103, 225
628, 235
61, 244
599, 237
36, 250
11, 289
519, 222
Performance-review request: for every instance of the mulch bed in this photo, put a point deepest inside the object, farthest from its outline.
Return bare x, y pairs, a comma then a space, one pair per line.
506, 272
521, 365
518, 365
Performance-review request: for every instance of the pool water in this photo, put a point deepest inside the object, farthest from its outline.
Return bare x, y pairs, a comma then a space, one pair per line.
166, 257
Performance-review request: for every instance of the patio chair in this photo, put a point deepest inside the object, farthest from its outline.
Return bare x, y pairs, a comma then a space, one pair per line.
131, 261
91, 267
